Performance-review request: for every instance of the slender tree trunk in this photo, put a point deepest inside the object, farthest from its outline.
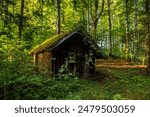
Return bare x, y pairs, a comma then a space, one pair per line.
88, 17
97, 16
136, 40
147, 8
41, 7
127, 30
110, 28
21, 18
83, 17
6, 26
95, 31
58, 16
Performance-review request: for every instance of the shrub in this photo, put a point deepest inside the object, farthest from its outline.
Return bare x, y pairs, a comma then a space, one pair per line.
64, 72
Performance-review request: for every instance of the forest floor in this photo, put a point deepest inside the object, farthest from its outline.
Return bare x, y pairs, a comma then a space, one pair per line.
113, 80
120, 79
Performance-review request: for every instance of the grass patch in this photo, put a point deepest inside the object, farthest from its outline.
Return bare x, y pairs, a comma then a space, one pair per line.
107, 84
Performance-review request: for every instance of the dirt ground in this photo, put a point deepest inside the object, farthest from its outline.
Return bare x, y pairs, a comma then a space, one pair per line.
104, 67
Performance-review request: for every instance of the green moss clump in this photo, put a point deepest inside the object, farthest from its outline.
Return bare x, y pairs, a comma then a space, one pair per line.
47, 43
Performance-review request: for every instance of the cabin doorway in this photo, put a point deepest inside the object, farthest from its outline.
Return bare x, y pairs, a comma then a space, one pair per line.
81, 64
58, 59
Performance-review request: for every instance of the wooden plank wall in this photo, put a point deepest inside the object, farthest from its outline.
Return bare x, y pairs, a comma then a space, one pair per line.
44, 63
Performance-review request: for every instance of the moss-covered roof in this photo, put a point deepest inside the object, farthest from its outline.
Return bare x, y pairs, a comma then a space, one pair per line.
47, 43
54, 41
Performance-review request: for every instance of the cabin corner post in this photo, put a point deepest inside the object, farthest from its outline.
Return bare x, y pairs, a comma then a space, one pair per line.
47, 62
36, 62
50, 65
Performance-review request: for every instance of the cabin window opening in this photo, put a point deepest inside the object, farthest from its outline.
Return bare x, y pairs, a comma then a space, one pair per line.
72, 57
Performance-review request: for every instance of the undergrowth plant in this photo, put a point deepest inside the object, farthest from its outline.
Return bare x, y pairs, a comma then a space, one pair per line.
64, 71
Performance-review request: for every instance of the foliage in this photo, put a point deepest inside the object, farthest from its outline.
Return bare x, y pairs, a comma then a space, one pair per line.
39, 22
19, 80
118, 97
125, 86
37, 87
64, 72
15, 64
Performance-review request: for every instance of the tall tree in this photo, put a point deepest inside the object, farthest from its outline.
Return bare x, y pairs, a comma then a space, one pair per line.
147, 9
110, 28
58, 16
41, 8
88, 16
136, 41
97, 15
21, 18
127, 28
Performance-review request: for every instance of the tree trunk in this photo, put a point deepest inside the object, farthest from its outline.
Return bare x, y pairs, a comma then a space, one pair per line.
147, 8
88, 17
83, 16
110, 27
58, 16
127, 30
136, 40
21, 19
97, 16
41, 8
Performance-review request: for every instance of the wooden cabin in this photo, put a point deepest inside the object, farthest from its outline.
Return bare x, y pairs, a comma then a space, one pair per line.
76, 48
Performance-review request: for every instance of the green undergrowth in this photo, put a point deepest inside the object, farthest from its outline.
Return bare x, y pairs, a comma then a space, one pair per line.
131, 84
109, 84
117, 84
38, 87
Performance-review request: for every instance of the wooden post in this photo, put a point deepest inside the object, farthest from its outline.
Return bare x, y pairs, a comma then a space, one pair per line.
36, 62
86, 73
